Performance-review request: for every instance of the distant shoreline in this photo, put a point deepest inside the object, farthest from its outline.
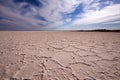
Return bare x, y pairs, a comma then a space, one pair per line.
95, 30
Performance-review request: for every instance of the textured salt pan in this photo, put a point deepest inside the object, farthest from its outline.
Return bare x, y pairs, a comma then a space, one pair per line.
37, 55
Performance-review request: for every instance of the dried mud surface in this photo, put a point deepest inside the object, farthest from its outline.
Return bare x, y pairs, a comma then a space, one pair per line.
37, 55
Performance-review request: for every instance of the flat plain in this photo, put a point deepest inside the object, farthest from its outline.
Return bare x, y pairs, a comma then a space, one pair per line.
55, 55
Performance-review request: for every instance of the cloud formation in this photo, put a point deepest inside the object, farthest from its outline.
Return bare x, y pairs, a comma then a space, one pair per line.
57, 14
107, 14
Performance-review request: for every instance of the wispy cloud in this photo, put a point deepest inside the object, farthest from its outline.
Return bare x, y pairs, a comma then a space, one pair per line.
107, 14
56, 14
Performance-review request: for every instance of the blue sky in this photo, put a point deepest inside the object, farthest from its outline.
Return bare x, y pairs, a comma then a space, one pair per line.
59, 14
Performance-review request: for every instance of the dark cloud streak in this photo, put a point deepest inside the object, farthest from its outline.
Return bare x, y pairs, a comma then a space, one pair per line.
32, 2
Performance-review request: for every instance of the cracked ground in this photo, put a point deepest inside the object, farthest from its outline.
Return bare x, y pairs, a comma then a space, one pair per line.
42, 55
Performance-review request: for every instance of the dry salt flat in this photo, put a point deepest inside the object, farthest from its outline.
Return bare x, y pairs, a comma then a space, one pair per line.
53, 55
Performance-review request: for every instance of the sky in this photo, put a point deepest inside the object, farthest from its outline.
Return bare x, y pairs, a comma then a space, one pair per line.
59, 14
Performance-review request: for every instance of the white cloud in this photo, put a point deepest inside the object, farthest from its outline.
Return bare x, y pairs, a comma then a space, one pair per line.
109, 13
18, 19
54, 25
68, 19
113, 22
52, 12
